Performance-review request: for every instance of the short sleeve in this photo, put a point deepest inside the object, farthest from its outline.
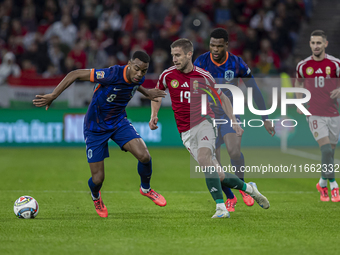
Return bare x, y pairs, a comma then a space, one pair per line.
105, 76
299, 72
161, 83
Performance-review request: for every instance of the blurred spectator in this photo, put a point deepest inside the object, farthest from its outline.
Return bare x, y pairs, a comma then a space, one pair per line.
236, 38
123, 49
264, 65
51, 72
28, 17
143, 42
247, 57
4, 28
37, 56
173, 22
96, 57
110, 19
17, 29
198, 22
159, 60
223, 12
50, 11
266, 52
14, 44
262, 20
78, 55
84, 33
112, 61
64, 29
68, 65
134, 20
245, 10
156, 12
90, 18
252, 41
29, 70
8, 67
56, 57
163, 41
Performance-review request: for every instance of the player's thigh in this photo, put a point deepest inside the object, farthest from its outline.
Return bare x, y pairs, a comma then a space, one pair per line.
137, 148
334, 129
206, 137
128, 139
190, 143
96, 145
318, 127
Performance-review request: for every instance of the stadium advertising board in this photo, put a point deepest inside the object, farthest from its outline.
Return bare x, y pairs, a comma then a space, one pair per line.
64, 127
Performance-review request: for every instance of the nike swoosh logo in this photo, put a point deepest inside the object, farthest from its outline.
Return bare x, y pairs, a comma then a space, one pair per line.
115, 89
221, 215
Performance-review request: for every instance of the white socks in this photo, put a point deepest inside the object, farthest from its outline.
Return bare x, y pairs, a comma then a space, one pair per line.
221, 206
95, 198
333, 185
145, 190
249, 188
322, 183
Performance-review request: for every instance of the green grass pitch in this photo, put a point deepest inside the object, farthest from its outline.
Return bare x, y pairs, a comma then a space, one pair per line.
296, 223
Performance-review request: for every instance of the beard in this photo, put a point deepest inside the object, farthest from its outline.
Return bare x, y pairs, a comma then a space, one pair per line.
319, 54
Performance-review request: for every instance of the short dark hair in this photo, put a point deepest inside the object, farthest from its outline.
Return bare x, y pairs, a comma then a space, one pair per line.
183, 43
220, 33
141, 55
319, 33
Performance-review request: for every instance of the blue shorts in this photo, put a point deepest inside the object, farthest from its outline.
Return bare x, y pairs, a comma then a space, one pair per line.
223, 129
97, 142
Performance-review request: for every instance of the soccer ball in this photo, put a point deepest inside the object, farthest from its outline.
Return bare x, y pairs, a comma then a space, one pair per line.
26, 207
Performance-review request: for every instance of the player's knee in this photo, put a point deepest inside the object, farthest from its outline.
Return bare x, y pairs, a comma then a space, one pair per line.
144, 157
234, 154
98, 178
204, 159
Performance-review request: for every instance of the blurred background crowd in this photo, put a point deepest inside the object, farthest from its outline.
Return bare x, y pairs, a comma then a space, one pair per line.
48, 38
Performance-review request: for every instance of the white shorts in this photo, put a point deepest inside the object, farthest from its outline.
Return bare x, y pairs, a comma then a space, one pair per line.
325, 126
201, 135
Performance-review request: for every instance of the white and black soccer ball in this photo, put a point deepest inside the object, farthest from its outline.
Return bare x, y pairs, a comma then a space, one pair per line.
26, 207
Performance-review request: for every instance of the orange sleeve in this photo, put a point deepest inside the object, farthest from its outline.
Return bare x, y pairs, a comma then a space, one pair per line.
92, 75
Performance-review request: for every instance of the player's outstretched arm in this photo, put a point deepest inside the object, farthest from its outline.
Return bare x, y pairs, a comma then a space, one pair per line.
46, 100
155, 105
152, 94
228, 109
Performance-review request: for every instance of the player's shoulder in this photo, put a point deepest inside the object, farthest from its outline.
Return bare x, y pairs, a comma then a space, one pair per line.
304, 61
204, 56
201, 72
168, 71
332, 58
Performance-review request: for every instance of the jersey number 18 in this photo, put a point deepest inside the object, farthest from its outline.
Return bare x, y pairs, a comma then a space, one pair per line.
319, 81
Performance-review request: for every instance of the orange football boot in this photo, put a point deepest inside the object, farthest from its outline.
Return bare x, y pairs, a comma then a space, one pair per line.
335, 195
323, 193
157, 198
100, 207
230, 204
247, 199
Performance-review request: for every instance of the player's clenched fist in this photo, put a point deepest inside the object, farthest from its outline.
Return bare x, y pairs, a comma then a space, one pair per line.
239, 131
153, 123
